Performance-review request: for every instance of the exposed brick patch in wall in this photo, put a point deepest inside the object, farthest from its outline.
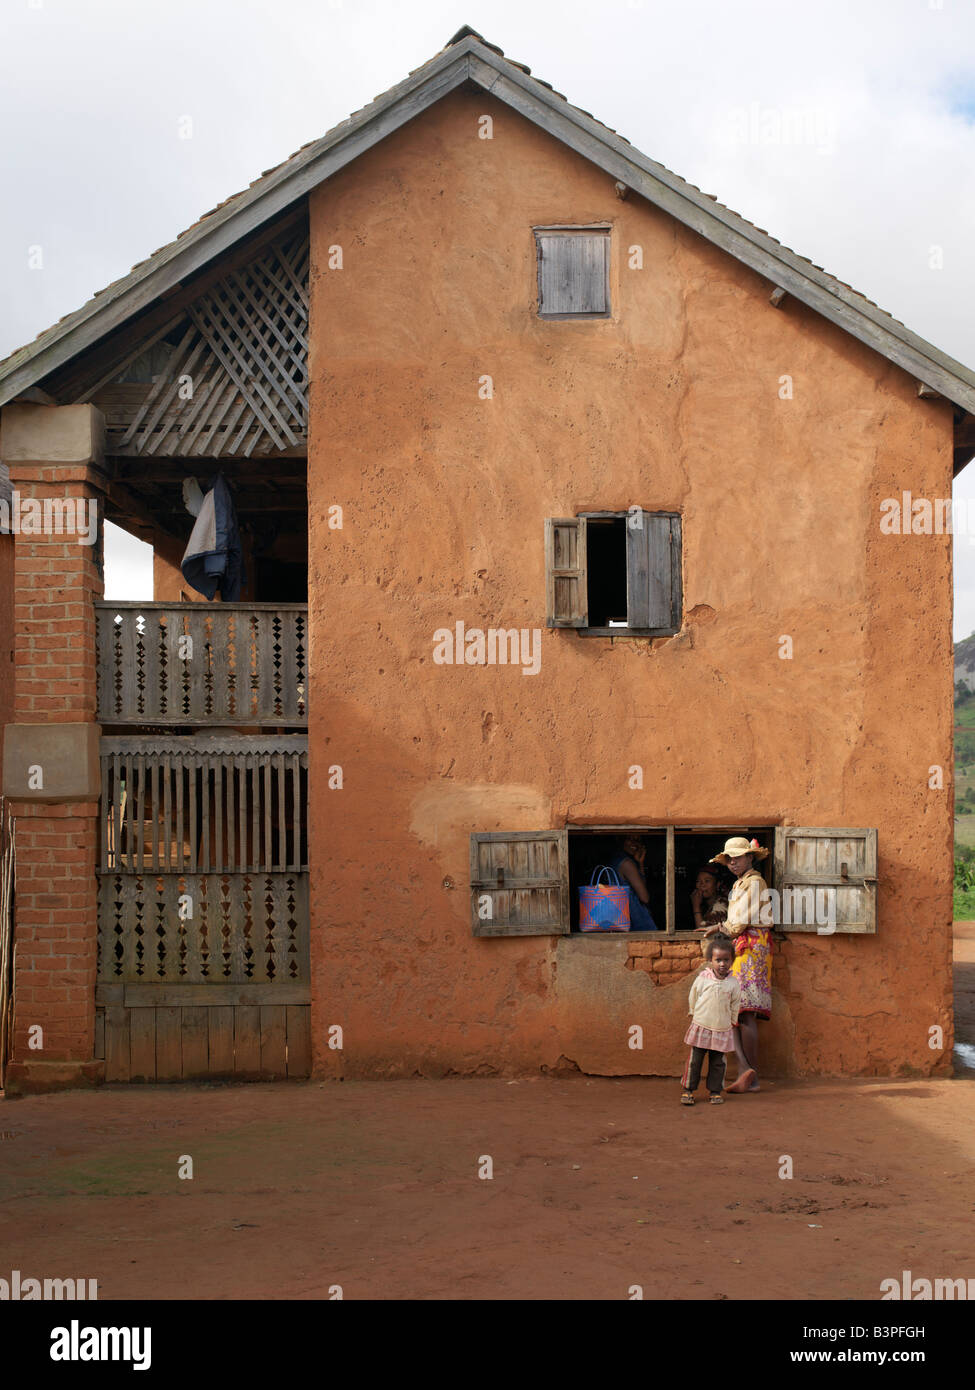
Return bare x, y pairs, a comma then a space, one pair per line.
665, 961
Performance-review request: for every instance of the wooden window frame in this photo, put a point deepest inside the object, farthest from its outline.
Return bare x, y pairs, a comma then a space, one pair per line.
774, 871
839, 841
671, 830
603, 230
677, 593
556, 573
500, 880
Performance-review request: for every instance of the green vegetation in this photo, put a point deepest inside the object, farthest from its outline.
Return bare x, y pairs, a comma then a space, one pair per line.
964, 802
964, 883
964, 741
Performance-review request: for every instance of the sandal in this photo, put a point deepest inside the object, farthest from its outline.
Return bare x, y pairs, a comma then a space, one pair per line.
717, 1100
687, 1098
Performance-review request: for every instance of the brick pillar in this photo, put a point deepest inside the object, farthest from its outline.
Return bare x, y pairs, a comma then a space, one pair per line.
50, 761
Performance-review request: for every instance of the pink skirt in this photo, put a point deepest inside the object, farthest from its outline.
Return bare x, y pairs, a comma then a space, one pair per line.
714, 1039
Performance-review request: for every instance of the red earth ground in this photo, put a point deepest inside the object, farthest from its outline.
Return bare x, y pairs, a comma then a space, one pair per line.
598, 1185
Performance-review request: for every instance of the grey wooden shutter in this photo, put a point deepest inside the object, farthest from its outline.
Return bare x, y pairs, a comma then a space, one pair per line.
520, 883
566, 596
653, 571
814, 860
573, 273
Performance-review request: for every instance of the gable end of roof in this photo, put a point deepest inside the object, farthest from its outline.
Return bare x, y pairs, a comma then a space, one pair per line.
468, 57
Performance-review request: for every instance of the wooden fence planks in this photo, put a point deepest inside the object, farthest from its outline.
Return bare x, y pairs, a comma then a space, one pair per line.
299, 1040
274, 1061
247, 1041
143, 1044
169, 1048
194, 1033
191, 1042
117, 1043
221, 1041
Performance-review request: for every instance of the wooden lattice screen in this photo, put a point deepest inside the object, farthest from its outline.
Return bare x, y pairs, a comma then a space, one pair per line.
192, 664
203, 871
203, 953
236, 379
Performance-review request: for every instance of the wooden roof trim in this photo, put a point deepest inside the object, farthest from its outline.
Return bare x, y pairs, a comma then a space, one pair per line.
223, 228
816, 288
472, 58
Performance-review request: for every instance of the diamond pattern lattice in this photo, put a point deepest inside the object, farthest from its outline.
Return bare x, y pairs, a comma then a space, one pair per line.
237, 381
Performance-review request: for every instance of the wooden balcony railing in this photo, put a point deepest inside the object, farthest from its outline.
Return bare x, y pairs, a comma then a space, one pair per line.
202, 664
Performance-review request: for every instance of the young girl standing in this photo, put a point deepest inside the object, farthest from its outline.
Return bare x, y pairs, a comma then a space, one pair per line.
753, 951
713, 1004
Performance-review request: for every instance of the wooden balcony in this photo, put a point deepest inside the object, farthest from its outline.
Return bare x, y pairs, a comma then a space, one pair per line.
198, 665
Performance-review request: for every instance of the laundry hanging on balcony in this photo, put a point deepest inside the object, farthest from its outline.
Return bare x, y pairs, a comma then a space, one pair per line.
213, 558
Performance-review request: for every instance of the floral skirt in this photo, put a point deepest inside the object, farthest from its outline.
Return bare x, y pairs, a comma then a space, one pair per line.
752, 969
714, 1039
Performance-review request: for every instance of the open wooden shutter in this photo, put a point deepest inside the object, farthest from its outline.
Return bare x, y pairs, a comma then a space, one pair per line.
520, 883
573, 273
844, 861
653, 571
565, 572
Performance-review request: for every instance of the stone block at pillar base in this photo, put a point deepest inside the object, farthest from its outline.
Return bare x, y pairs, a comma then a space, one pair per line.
33, 1078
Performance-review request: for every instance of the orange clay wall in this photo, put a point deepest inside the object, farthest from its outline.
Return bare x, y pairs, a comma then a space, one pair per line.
673, 404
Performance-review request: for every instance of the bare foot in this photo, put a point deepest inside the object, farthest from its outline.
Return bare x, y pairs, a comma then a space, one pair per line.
746, 1082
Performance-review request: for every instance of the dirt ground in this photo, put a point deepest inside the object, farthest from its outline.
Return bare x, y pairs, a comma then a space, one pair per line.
598, 1185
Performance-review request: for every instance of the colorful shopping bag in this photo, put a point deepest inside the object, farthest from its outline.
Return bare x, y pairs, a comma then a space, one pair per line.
604, 906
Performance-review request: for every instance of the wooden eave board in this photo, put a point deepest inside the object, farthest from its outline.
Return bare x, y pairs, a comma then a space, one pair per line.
474, 60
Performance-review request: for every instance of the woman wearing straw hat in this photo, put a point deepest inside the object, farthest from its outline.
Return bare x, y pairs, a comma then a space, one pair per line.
749, 924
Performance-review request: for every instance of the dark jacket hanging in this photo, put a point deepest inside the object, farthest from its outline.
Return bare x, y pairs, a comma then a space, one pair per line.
213, 557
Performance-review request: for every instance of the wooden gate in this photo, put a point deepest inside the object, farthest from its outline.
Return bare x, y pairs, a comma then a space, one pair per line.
203, 964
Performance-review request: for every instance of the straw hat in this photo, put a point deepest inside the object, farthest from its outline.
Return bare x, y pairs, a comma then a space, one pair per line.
737, 846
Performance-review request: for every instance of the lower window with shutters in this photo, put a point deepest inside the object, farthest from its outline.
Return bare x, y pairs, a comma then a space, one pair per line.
526, 883
827, 879
615, 574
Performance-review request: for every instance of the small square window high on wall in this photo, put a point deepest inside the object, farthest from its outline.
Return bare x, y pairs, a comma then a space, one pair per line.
573, 272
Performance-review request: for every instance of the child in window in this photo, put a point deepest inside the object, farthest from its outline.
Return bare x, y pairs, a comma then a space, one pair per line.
709, 901
713, 1005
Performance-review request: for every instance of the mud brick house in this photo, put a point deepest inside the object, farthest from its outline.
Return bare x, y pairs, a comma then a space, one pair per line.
560, 487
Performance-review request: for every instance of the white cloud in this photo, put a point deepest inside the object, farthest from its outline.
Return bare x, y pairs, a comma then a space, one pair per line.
94, 171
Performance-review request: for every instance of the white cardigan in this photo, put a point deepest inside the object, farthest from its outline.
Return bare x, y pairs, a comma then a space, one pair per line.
714, 1003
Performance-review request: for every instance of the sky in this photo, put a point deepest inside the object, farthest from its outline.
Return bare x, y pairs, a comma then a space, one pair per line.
846, 129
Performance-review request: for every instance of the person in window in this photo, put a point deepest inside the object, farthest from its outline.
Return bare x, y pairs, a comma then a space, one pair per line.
709, 901
628, 861
752, 934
